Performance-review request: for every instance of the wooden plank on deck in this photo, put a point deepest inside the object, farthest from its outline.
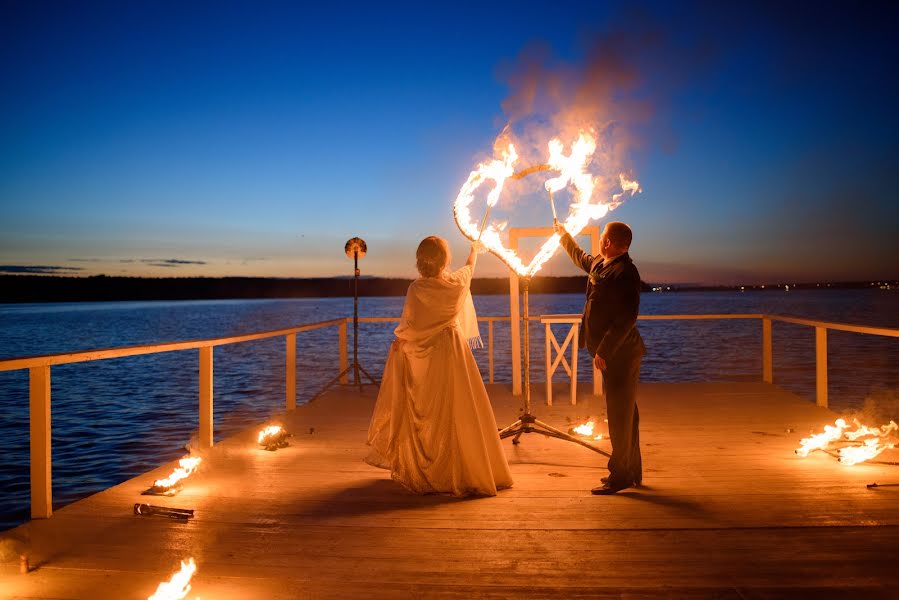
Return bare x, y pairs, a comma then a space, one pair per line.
728, 510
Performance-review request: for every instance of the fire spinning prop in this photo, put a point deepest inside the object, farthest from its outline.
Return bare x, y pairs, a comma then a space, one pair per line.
148, 510
851, 444
572, 170
273, 437
178, 586
171, 485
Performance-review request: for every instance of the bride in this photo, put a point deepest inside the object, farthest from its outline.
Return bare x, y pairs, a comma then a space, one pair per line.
433, 425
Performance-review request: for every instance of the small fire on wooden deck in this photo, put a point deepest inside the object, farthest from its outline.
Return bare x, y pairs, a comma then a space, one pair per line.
178, 586
585, 430
273, 437
851, 444
171, 485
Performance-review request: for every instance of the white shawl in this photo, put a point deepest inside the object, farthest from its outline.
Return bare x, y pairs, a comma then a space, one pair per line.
435, 303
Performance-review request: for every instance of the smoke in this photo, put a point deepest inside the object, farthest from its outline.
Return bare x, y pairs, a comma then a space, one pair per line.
11, 548
878, 409
609, 92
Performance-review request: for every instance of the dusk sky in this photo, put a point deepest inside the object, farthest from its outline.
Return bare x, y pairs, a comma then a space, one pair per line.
183, 138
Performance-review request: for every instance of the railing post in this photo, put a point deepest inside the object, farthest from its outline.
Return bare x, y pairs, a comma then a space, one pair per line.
549, 372
490, 349
821, 366
341, 342
39, 416
290, 369
767, 352
574, 349
206, 397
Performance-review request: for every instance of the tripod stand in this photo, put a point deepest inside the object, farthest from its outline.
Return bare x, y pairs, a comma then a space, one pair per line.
355, 248
528, 422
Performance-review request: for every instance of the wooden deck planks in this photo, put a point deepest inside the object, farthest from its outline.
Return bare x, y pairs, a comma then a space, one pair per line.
727, 511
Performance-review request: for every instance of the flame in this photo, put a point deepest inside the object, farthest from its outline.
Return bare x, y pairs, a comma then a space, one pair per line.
186, 466
627, 185
572, 171
178, 586
270, 431
879, 440
852, 455
822, 440
586, 430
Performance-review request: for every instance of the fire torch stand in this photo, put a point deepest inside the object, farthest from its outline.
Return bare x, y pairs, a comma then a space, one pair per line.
528, 422
355, 248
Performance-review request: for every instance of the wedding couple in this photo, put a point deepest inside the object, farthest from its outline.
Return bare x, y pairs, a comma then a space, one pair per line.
433, 425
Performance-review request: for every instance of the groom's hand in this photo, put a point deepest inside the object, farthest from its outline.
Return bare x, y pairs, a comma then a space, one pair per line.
558, 227
599, 362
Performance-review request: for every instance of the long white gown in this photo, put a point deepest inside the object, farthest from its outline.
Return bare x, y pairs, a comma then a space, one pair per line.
433, 425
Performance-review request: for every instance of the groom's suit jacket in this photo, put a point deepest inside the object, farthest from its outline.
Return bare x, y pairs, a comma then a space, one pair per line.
609, 323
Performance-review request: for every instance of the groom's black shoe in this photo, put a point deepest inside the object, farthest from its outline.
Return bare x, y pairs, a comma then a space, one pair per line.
608, 488
605, 480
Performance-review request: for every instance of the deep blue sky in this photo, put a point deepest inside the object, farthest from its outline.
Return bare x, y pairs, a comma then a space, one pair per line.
255, 138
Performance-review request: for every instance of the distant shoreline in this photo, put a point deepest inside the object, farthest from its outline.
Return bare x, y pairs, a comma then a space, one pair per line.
16, 289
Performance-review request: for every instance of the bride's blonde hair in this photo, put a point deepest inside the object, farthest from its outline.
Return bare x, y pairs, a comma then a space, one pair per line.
432, 256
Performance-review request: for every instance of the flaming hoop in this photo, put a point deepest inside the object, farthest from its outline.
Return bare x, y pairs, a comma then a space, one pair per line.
570, 170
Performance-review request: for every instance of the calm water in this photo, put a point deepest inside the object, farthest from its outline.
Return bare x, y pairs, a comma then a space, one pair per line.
115, 419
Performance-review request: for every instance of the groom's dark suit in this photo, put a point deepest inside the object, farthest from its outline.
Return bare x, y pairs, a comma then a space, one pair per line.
609, 329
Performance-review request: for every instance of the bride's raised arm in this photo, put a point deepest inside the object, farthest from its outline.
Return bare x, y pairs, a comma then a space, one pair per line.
476, 248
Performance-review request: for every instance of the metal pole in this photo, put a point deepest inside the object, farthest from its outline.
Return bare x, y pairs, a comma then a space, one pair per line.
527, 349
356, 320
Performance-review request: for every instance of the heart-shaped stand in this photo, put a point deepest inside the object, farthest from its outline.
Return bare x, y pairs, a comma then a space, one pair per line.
528, 422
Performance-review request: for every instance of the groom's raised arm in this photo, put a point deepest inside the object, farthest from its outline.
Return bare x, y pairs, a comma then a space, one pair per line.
578, 256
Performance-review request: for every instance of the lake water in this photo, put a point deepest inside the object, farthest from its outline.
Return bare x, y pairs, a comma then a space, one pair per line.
114, 419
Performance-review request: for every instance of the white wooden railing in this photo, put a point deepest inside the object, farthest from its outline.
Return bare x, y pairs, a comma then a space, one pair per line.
39, 368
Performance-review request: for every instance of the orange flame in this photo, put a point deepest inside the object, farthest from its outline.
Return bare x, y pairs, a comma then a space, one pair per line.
586, 430
874, 445
822, 440
186, 466
852, 455
178, 586
572, 171
269, 432
879, 440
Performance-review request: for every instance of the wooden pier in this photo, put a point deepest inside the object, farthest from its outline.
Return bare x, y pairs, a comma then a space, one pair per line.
727, 511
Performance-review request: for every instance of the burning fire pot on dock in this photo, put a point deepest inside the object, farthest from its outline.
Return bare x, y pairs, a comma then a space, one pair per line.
178, 586
171, 485
273, 437
586, 430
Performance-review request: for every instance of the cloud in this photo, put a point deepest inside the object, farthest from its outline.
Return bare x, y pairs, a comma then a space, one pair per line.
170, 262
37, 269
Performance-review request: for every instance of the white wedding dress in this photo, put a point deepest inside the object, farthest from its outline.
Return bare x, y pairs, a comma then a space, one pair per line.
433, 425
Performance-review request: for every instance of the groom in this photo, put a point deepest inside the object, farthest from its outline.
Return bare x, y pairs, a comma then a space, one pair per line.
610, 333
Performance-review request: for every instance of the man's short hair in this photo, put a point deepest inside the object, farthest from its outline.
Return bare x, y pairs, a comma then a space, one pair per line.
619, 234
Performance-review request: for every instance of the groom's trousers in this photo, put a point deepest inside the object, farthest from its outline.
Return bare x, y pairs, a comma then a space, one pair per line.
620, 389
